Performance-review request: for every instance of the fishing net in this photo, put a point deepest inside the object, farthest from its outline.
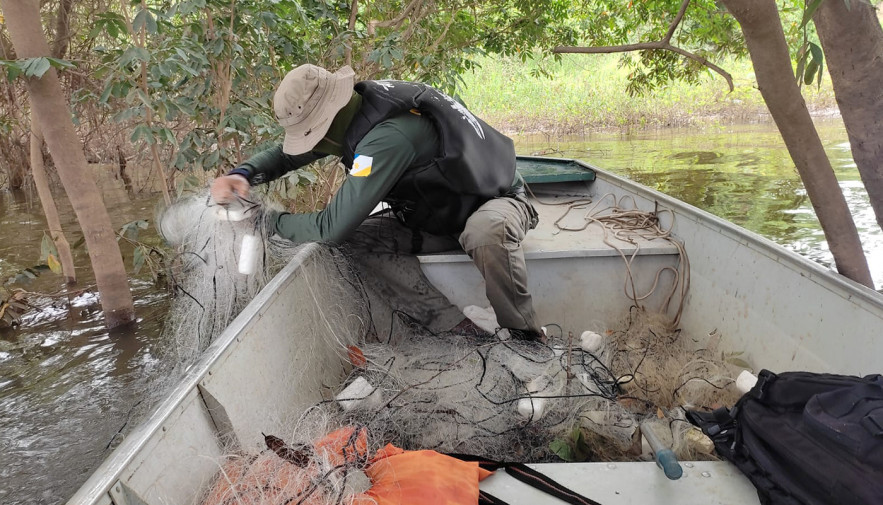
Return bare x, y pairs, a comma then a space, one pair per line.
578, 397
580, 400
513, 399
225, 256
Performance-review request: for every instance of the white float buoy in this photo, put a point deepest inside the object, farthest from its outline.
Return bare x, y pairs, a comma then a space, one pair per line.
360, 393
231, 212
532, 407
591, 342
249, 252
745, 381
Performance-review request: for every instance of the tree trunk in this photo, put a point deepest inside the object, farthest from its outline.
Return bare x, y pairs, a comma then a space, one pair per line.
772, 67
853, 43
38, 167
53, 114
13, 155
62, 28
41, 182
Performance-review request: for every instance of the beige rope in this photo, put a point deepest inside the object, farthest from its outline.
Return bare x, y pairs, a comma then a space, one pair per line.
623, 221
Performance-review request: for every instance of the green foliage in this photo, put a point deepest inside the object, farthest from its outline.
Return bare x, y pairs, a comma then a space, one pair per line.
32, 67
707, 30
191, 81
810, 59
143, 254
585, 92
130, 230
188, 184
571, 449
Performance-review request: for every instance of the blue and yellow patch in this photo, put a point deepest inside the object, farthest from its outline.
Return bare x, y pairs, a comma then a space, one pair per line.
362, 166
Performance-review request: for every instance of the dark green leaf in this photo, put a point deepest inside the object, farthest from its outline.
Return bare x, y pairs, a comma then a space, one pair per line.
811, 68
105, 95
132, 55
142, 131
803, 54
151, 23
59, 63
13, 70
817, 55
35, 67
138, 258
561, 449
810, 11
212, 159
140, 20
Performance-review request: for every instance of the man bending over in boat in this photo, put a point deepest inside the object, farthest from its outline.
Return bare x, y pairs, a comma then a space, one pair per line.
448, 178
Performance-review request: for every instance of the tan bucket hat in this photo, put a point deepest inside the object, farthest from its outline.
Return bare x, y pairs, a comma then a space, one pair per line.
306, 102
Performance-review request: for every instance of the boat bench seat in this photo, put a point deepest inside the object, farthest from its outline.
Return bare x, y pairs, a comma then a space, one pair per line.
544, 242
585, 262
552, 183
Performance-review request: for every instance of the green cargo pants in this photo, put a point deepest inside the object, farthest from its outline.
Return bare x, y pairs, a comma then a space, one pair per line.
381, 249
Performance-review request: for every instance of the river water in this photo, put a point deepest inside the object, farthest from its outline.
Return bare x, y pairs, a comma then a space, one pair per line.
68, 388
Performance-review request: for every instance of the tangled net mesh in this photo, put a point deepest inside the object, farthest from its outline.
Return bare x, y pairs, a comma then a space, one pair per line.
210, 241
575, 398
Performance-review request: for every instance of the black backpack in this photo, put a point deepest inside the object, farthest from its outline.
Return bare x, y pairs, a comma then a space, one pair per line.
804, 438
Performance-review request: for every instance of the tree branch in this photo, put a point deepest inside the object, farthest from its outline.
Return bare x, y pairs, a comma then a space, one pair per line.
676, 21
396, 22
351, 26
62, 29
664, 45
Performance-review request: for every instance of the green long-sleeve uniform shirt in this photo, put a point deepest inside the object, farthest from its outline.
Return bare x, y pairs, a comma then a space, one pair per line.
382, 157
392, 147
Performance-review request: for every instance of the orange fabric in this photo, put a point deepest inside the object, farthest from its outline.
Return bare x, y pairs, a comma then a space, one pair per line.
398, 477
423, 478
245, 482
343, 445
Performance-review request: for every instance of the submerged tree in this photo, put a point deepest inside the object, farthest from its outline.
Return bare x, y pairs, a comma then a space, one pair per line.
772, 66
852, 38
701, 24
49, 103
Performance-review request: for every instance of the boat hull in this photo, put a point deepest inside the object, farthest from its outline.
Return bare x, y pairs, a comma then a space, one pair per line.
782, 311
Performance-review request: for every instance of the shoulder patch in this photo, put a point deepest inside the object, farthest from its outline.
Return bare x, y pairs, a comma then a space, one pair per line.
362, 166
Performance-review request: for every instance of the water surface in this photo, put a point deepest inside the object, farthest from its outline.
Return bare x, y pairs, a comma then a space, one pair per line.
68, 387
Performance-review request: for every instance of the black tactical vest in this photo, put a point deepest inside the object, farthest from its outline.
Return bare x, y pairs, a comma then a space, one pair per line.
474, 163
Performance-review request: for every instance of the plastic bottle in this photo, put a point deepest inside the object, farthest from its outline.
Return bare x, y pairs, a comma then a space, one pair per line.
249, 253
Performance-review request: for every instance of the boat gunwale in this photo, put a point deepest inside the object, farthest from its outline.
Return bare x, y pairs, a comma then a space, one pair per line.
111, 469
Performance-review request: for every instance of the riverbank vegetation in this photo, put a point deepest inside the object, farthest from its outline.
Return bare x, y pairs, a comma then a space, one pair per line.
585, 92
